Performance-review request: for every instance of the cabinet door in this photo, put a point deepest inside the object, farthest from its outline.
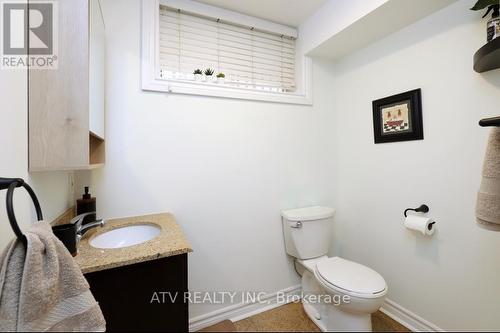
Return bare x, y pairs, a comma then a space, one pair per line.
97, 59
59, 98
124, 295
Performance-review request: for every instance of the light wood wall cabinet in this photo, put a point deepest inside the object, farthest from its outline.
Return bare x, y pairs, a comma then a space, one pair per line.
66, 105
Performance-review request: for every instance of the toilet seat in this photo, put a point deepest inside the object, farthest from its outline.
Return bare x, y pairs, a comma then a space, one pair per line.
344, 276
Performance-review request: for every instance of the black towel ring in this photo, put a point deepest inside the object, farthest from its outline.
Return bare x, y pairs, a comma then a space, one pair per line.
10, 184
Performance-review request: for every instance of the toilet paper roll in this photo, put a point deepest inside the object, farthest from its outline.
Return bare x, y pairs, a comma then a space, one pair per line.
420, 223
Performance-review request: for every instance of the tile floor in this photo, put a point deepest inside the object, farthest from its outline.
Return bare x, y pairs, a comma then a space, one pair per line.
292, 318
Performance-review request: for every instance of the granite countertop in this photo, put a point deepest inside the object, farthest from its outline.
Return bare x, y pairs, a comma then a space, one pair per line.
170, 242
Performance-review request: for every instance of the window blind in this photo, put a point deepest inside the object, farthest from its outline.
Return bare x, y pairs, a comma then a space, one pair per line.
249, 58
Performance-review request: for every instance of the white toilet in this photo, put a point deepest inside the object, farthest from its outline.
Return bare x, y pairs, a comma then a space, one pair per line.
339, 295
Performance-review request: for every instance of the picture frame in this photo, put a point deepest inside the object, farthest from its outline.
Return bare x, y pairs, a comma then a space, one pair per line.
398, 118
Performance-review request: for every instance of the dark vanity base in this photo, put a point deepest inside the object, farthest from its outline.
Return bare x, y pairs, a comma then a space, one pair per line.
126, 295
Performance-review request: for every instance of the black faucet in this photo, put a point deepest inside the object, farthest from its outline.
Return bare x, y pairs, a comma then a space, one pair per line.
81, 229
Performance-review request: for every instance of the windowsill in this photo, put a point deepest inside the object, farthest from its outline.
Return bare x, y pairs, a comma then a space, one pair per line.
224, 91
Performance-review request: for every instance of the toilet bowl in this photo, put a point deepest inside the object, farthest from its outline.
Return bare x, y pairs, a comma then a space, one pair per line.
339, 294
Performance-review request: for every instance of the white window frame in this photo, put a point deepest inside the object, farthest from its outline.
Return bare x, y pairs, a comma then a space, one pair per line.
150, 74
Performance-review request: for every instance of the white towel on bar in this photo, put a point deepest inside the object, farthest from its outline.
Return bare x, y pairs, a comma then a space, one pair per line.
43, 289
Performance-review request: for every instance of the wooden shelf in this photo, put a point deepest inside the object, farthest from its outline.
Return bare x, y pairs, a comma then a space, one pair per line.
95, 166
96, 151
488, 57
490, 122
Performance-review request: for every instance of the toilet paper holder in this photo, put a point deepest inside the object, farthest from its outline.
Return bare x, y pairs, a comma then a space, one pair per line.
421, 209
428, 223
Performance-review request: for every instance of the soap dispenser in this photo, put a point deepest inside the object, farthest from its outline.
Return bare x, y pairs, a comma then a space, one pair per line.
87, 204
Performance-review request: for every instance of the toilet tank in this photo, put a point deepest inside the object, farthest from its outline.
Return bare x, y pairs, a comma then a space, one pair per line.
307, 231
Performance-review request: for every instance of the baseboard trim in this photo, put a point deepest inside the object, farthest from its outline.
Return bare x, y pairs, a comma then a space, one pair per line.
244, 310
241, 311
407, 318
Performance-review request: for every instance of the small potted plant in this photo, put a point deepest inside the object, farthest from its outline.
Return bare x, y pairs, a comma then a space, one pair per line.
221, 77
209, 72
198, 74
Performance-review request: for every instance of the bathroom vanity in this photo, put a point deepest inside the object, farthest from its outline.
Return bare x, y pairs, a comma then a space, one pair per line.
133, 284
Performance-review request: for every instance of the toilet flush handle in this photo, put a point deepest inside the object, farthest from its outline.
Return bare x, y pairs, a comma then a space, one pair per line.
297, 225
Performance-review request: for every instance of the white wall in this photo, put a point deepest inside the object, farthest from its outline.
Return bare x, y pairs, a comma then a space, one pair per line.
52, 189
330, 19
450, 279
225, 168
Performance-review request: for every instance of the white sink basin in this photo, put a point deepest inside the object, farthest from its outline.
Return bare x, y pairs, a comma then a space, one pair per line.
125, 236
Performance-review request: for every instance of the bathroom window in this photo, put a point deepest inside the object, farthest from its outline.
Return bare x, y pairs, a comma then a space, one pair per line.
258, 58
249, 58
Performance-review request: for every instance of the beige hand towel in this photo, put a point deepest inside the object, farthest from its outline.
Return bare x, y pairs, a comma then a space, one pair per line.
43, 289
488, 198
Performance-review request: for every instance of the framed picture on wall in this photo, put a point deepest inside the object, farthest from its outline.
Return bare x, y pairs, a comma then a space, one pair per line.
398, 117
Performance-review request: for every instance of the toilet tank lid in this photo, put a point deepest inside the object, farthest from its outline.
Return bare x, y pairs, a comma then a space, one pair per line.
308, 213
